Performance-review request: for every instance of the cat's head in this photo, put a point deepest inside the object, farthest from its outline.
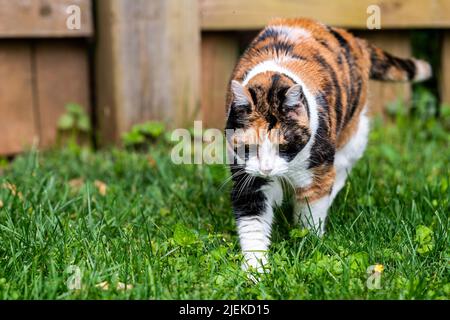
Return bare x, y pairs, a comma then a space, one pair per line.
268, 119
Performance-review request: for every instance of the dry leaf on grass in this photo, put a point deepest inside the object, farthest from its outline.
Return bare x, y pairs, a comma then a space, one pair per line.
123, 286
76, 184
101, 186
13, 189
120, 286
103, 285
151, 161
1, 204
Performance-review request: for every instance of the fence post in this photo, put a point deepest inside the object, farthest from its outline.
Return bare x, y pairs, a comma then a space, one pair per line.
219, 55
18, 117
148, 64
445, 65
62, 77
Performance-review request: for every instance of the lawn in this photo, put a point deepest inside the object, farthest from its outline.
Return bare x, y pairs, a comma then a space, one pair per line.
132, 225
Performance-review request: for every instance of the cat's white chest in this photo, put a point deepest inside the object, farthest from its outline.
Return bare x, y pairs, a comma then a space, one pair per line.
298, 171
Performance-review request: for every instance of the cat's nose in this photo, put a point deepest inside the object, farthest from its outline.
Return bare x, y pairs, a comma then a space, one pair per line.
266, 167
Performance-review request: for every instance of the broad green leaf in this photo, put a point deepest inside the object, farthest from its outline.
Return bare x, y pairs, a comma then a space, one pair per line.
152, 128
84, 123
298, 233
424, 239
66, 122
183, 236
358, 261
75, 109
132, 138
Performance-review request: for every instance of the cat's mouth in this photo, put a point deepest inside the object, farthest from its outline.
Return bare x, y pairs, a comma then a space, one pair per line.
267, 173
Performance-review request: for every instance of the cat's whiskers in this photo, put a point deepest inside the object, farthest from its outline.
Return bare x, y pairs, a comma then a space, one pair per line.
239, 185
232, 176
247, 182
285, 180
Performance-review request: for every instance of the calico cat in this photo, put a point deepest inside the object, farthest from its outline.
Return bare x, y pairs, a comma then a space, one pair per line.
298, 98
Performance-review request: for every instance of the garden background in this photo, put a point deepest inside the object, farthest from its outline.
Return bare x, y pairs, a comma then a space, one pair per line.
91, 205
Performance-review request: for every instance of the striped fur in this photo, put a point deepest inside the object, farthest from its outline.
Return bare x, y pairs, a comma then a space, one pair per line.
308, 82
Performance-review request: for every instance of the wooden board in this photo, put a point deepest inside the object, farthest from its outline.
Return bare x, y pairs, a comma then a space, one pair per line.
42, 18
445, 69
105, 75
220, 53
17, 122
182, 59
61, 78
148, 64
381, 94
254, 14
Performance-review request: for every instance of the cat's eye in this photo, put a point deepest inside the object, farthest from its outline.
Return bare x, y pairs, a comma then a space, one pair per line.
242, 108
286, 108
282, 148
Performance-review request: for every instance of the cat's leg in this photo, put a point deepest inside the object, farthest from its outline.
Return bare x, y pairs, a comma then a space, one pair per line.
341, 177
312, 203
253, 208
313, 215
350, 153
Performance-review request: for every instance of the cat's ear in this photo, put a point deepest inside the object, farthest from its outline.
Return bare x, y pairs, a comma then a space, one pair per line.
294, 96
240, 96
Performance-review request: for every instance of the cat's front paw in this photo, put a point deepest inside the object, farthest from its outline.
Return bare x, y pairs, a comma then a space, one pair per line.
255, 264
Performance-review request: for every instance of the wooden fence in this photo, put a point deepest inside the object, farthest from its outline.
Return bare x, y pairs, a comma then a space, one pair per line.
43, 66
166, 60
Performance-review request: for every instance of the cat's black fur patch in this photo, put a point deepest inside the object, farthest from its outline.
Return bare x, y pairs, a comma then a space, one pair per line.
248, 199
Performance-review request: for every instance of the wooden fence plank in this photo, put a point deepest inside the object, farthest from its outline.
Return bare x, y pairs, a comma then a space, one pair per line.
148, 63
61, 78
381, 94
42, 18
254, 14
17, 122
220, 52
106, 104
445, 68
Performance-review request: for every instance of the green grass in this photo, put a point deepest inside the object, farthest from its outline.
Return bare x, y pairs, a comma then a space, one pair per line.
169, 231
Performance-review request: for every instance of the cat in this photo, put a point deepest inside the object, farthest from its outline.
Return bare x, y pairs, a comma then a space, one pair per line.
297, 104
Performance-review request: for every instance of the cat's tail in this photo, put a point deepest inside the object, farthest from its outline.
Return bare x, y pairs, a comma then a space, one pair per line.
386, 67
